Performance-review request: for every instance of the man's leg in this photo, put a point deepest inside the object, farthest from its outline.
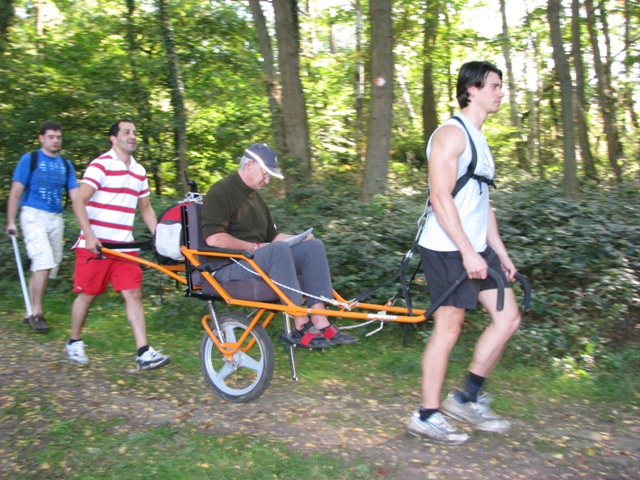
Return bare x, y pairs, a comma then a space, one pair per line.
428, 421
135, 315
446, 330
466, 404
147, 357
79, 311
312, 265
494, 339
37, 288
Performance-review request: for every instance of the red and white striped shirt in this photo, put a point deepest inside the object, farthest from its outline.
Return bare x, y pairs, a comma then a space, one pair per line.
112, 208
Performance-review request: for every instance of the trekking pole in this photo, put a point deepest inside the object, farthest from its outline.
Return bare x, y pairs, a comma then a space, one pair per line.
23, 283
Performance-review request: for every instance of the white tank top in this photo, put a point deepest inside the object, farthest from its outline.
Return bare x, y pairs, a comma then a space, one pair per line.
472, 201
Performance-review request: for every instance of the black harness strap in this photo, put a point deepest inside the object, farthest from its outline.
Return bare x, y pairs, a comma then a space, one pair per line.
144, 245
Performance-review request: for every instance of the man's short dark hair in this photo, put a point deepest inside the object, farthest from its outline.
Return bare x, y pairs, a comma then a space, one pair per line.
473, 74
115, 128
50, 125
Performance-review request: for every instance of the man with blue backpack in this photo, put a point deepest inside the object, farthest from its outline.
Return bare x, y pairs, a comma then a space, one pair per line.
37, 191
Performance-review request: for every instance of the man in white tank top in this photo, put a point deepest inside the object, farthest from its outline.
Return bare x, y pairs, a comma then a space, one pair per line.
461, 235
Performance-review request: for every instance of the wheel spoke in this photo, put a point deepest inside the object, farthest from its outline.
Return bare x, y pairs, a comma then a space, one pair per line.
229, 333
225, 371
248, 362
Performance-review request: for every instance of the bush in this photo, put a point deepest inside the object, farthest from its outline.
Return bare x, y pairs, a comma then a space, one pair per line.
581, 257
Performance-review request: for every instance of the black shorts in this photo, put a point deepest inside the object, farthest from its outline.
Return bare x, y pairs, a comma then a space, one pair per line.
442, 269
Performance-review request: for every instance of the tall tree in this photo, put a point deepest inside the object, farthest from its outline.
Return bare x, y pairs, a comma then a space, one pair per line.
606, 99
176, 87
629, 62
294, 109
571, 186
359, 80
429, 110
141, 95
581, 117
513, 93
7, 13
376, 165
272, 84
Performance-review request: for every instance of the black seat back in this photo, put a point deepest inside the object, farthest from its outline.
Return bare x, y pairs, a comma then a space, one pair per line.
254, 289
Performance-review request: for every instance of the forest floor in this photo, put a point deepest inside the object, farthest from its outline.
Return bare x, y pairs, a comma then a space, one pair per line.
559, 441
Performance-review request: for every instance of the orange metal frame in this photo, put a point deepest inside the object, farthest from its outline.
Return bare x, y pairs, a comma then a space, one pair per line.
348, 309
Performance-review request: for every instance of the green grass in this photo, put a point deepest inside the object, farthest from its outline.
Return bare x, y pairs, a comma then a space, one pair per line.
86, 449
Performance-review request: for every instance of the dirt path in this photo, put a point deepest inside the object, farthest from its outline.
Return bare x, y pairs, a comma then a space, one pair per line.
567, 441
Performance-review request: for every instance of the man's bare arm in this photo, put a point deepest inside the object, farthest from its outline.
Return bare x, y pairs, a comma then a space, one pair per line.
148, 213
82, 197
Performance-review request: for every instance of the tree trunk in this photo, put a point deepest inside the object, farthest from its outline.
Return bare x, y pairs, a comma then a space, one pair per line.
294, 110
521, 151
379, 137
451, 97
605, 95
581, 117
429, 109
140, 93
571, 186
272, 85
7, 14
629, 103
406, 96
506, 51
177, 92
534, 137
359, 82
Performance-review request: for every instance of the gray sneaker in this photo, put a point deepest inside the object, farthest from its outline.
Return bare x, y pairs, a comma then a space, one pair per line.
152, 359
436, 428
477, 413
38, 323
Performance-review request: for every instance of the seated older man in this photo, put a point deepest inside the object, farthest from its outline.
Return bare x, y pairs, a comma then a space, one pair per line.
235, 216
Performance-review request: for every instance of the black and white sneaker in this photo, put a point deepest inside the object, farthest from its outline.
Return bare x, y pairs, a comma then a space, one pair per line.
152, 359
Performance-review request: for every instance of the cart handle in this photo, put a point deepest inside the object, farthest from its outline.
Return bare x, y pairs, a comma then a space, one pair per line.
463, 276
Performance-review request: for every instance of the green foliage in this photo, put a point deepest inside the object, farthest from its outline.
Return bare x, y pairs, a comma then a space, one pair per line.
582, 260
581, 257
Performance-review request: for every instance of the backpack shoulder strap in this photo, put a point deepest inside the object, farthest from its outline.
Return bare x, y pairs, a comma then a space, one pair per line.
468, 175
34, 160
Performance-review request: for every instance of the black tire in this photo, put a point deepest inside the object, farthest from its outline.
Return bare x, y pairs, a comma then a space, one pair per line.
249, 374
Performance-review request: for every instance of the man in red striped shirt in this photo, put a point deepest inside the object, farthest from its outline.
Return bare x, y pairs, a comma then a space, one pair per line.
112, 187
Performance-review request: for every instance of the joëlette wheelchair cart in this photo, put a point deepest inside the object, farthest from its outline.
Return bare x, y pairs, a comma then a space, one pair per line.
236, 353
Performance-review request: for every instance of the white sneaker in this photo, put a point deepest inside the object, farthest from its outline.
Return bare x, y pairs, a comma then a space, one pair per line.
477, 413
152, 359
437, 429
75, 352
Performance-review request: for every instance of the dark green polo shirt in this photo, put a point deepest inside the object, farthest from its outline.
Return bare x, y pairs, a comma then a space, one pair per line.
230, 206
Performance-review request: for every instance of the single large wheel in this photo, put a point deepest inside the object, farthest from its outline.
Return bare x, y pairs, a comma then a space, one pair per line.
246, 375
